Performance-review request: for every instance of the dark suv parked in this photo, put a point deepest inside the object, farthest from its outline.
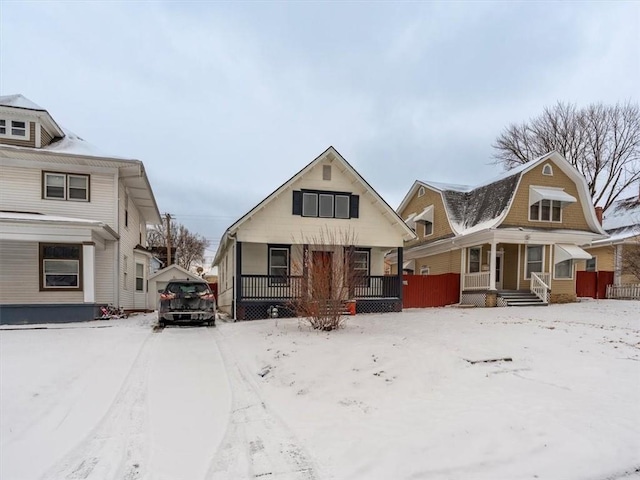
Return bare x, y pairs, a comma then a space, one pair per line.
187, 301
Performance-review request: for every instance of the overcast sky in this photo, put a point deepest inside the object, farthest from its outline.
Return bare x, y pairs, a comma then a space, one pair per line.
223, 102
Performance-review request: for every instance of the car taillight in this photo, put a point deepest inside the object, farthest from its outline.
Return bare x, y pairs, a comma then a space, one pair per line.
167, 296
207, 296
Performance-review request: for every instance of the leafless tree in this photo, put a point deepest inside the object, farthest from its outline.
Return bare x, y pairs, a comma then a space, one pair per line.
329, 279
631, 256
189, 246
601, 141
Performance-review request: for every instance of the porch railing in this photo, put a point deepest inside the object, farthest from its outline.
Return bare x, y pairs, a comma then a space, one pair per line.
269, 287
476, 281
626, 291
540, 285
263, 287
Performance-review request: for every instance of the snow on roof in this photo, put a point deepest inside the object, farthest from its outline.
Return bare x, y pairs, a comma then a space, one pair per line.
36, 217
75, 145
19, 101
622, 213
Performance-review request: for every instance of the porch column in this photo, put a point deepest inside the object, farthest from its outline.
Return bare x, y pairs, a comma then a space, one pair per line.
492, 267
400, 281
463, 269
89, 272
238, 271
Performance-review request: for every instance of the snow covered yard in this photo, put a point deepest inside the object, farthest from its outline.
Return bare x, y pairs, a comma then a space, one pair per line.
393, 396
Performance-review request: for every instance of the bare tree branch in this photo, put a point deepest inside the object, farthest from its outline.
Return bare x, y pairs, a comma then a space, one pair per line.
601, 141
189, 246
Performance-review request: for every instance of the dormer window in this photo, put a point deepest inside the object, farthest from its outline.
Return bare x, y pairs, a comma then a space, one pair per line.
546, 203
14, 129
547, 170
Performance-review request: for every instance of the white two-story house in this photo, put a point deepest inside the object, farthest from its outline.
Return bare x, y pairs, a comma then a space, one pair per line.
72, 222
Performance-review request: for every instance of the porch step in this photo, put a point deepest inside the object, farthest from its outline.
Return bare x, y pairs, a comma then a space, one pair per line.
518, 298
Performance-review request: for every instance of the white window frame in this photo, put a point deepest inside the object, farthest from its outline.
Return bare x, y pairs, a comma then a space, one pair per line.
308, 195
527, 276
424, 270
479, 249
424, 231
335, 206
285, 278
141, 290
547, 169
540, 219
8, 126
331, 197
572, 267
66, 186
50, 260
595, 264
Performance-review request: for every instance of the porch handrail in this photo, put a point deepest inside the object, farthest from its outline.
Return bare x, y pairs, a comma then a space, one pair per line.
476, 281
539, 285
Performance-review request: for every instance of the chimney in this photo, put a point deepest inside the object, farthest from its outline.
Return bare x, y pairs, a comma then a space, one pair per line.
599, 214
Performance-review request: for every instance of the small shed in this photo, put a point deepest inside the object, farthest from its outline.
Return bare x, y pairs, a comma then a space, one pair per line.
161, 278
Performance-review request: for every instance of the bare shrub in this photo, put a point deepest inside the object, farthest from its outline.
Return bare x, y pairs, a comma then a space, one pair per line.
330, 276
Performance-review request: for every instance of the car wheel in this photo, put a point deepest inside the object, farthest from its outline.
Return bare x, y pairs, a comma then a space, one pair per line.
162, 323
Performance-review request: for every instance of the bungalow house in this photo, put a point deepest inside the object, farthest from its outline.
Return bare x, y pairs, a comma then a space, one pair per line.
72, 222
514, 239
315, 217
616, 253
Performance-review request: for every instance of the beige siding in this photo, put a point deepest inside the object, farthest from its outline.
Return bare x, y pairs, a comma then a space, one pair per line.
572, 215
448, 262
129, 238
19, 277
104, 272
22, 143
441, 227
626, 275
509, 266
275, 223
225, 281
21, 190
45, 138
604, 258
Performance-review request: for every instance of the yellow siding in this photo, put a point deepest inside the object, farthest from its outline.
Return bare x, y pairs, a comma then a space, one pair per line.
510, 266
441, 227
604, 259
448, 262
572, 215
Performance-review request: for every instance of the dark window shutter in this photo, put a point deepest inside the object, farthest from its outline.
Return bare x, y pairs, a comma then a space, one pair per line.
355, 206
297, 202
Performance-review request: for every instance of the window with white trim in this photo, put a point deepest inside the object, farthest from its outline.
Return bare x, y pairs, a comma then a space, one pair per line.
65, 186
424, 270
421, 191
326, 205
139, 277
534, 260
279, 265
361, 267
564, 270
428, 229
474, 259
546, 211
60, 266
591, 265
14, 129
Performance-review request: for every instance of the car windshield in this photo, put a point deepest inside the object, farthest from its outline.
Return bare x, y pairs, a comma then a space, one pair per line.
187, 288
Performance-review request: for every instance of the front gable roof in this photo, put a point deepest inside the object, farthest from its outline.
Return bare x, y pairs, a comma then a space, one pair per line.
333, 155
474, 208
176, 270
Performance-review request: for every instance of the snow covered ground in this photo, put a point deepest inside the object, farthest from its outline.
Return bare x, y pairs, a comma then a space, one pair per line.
391, 396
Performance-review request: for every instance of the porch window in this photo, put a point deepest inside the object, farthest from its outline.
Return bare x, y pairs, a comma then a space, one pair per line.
65, 186
591, 265
534, 260
474, 259
60, 266
546, 211
564, 269
361, 267
278, 265
139, 277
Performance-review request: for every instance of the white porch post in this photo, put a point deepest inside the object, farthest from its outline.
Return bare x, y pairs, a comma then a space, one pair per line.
88, 272
463, 261
492, 267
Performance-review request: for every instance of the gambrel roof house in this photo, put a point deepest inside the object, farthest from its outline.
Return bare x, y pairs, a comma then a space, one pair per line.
263, 257
622, 222
518, 232
72, 221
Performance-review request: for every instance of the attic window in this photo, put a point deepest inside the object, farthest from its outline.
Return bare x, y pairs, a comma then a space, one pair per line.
421, 191
547, 170
14, 129
326, 172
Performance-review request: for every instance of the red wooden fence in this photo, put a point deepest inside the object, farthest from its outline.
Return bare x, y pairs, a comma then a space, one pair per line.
593, 284
421, 291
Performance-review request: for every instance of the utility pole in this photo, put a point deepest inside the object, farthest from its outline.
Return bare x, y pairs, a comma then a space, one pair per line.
168, 217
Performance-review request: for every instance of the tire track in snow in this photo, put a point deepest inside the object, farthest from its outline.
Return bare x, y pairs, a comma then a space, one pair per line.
257, 444
117, 446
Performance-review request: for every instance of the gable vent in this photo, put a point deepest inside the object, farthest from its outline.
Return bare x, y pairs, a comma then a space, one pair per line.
326, 172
